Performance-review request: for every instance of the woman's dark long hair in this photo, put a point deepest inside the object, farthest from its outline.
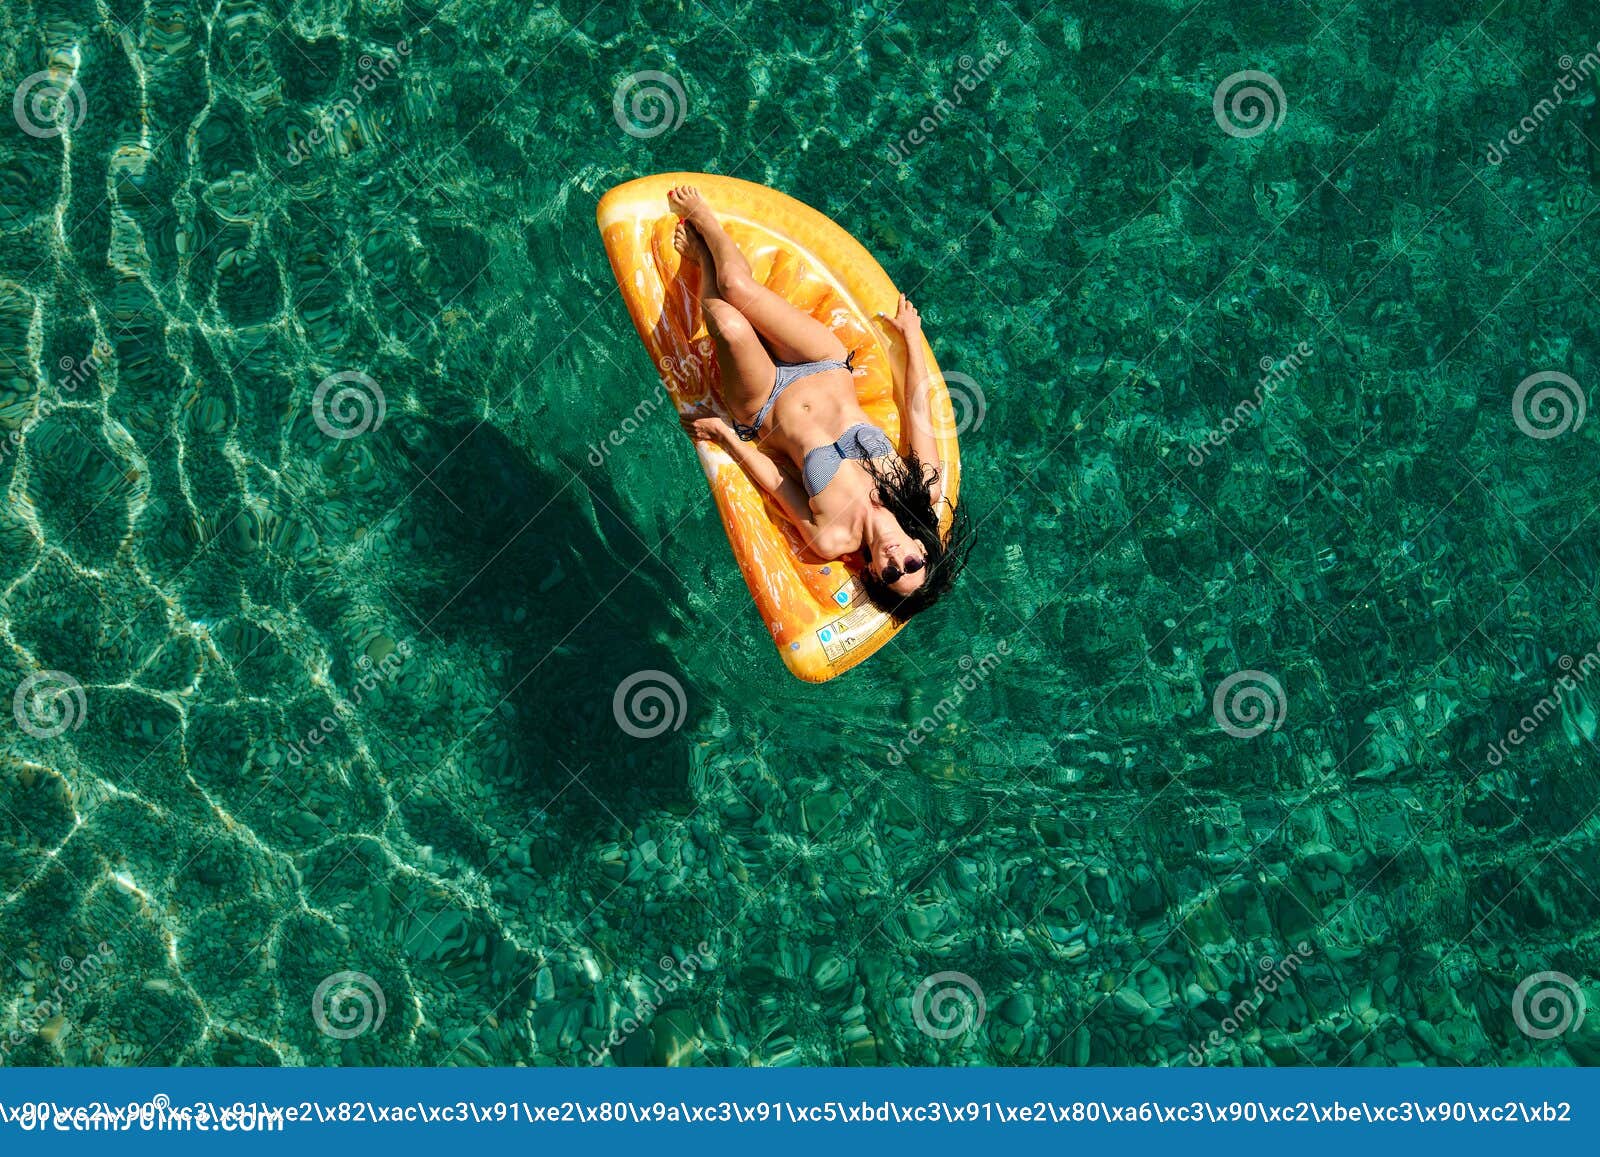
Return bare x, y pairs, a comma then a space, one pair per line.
905, 487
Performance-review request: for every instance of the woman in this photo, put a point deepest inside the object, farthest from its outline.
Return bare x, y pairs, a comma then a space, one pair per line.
786, 379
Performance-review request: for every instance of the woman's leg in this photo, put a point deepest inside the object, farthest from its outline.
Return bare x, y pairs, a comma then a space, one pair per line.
793, 335
746, 368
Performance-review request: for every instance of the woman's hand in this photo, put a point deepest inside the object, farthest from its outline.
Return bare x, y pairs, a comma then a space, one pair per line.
906, 319
703, 426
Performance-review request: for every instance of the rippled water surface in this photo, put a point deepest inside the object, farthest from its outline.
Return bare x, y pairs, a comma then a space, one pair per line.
1259, 732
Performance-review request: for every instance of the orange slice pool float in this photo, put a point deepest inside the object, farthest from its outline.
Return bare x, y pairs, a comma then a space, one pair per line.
816, 611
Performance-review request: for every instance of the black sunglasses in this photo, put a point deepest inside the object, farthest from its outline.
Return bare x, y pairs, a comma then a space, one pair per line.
893, 574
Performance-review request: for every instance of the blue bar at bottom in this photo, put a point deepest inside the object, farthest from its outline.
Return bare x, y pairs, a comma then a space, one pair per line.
794, 1110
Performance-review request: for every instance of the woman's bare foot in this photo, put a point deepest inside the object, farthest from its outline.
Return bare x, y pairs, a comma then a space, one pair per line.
732, 268
686, 240
687, 202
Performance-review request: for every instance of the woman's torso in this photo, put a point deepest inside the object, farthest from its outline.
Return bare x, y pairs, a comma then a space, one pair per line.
812, 413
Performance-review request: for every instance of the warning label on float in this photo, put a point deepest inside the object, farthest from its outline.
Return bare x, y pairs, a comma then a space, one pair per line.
859, 623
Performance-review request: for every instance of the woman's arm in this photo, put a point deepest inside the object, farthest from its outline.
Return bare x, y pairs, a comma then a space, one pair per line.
918, 392
763, 471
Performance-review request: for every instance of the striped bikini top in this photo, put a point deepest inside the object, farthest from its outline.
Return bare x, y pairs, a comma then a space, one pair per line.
863, 440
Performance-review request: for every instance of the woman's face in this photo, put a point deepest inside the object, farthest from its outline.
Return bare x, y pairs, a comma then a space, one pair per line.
899, 561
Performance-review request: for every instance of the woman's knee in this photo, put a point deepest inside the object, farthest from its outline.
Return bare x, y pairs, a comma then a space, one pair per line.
736, 285
724, 320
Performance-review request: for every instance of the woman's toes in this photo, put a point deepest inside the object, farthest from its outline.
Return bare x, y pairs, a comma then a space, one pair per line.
687, 242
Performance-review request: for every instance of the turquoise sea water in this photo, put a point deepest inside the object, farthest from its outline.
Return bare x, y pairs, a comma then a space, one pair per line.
327, 737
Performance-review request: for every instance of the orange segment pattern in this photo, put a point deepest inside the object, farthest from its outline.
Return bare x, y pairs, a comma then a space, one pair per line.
815, 612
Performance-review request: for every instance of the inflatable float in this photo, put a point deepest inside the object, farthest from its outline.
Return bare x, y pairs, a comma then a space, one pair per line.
816, 612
